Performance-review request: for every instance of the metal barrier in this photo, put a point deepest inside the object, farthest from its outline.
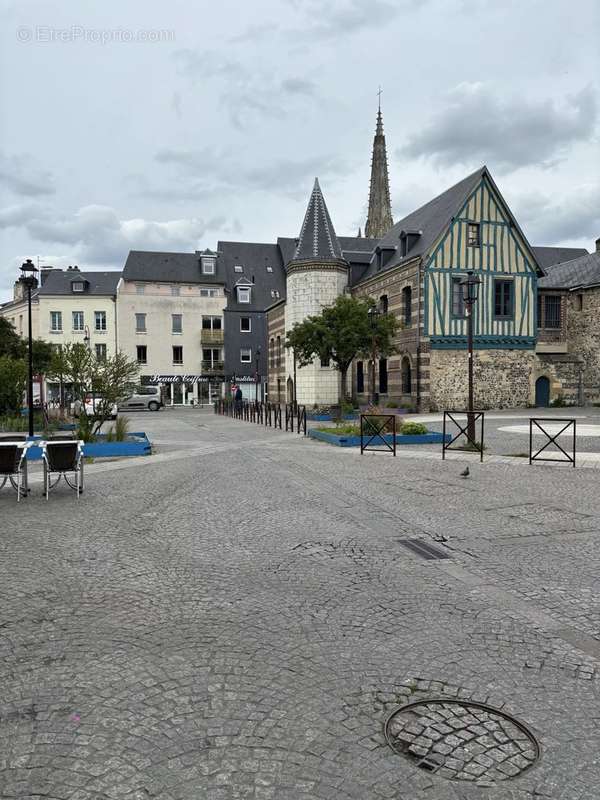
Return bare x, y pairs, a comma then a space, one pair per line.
463, 430
552, 439
277, 416
301, 419
374, 426
289, 417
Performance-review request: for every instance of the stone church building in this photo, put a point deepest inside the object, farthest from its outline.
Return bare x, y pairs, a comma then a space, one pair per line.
413, 269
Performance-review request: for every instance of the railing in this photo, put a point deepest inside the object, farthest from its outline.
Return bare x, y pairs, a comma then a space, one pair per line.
267, 414
216, 367
552, 438
377, 428
212, 337
469, 429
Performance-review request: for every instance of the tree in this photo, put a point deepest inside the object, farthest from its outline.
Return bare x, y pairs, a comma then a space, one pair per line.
11, 344
340, 333
13, 380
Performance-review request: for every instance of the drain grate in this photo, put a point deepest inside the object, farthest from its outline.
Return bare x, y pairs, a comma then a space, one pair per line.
423, 549
462, 741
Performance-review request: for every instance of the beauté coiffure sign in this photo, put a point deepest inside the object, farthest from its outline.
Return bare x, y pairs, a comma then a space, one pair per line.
199, 378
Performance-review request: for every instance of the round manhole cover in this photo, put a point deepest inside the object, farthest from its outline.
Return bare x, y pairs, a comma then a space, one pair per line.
462, 741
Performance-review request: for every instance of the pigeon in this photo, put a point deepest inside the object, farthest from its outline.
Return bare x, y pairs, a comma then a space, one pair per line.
465, 473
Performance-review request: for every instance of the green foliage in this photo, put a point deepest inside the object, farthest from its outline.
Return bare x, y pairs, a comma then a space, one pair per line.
20, 423
13, 380
392, 404
85, 428
11, 344
413, 428
120, 430
340, 333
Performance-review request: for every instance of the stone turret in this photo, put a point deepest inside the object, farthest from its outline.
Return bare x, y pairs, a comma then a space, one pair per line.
316, 275
379, 220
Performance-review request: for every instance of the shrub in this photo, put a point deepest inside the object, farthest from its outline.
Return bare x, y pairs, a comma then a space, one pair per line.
413, 429
121, 429
392, 404
85, 427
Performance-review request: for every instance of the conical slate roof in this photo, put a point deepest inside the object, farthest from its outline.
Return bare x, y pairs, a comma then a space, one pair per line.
317, 241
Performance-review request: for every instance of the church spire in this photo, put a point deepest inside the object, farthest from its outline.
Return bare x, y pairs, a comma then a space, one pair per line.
379, 220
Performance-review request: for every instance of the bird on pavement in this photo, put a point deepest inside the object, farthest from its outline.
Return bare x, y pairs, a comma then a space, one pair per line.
465, 473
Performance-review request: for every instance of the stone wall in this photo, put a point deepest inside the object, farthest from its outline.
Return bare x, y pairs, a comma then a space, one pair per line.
563, 372
502, 378
583, 332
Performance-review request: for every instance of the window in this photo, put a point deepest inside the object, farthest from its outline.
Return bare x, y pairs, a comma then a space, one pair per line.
100, 320
243, 293
78, 322
383, 303
142, 354
211, 356
178, 354
176, 323
238, 268
324, 361
272, 353
579, 302
174, 291
473, 234
139, 289
269, 268
360, 377
209, 292
56, 321
208, 265
245, 325
246, 355
548, 311
406, 375
100, 352
407, 305
279, 351
383, 375
212, 323
458, 303
275, 294
503, 298
140, 323
77, 286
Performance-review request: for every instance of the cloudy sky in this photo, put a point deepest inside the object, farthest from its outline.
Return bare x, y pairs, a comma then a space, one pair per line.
166, 126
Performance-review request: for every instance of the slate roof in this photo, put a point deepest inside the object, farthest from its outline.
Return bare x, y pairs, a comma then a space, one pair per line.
317, 240
254, 258
145, 265
58, 282
547, 256
581, 272
431, 219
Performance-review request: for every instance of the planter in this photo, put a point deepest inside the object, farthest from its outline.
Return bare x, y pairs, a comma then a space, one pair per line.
136, 444
431, 437
328, 417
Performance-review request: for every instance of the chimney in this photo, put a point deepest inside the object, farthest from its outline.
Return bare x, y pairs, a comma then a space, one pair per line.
598, 245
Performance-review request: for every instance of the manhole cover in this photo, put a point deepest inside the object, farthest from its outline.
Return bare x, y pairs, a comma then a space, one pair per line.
462, 741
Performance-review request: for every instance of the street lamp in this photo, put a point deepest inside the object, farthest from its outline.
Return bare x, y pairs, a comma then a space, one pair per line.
373, 314
470, 290
257, 374
29, 281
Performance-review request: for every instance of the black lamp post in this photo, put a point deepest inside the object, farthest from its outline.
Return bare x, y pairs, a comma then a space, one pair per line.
29, 281
373, 317
470, 289
257, 375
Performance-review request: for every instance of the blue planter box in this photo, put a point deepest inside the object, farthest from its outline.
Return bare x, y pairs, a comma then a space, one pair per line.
137, 444
432, 437
328, 417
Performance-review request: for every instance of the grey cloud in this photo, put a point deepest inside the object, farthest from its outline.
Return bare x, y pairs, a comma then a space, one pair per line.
202, 64
255, 33
568, 218
331, 20
298, 86
478, 126
23, 176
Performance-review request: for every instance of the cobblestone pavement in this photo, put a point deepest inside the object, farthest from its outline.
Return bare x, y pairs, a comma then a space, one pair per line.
236, 617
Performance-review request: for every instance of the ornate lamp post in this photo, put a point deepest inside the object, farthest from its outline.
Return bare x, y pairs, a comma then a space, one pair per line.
470, 290
257, 375
29, 281
373, 317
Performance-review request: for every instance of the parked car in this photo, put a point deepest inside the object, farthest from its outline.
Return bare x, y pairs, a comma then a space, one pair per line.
92, 401
144, 398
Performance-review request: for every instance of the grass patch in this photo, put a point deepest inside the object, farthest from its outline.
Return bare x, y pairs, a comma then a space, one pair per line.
406, 429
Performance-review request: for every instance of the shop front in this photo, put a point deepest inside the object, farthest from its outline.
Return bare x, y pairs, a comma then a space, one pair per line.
187, 390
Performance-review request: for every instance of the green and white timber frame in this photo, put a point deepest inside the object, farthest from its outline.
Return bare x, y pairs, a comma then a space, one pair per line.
502, 254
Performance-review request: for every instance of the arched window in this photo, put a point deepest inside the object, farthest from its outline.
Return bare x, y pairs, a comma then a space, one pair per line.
406, 376
383, 304
407, 305
279, 351
272, 353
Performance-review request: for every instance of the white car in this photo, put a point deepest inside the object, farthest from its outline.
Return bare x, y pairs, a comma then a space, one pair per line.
92, 402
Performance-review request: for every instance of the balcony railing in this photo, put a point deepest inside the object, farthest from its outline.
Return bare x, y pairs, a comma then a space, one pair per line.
211, 337
214, 367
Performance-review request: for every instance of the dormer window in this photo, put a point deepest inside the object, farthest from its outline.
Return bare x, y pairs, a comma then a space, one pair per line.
77, 286
238, 268
269, 268
208, 265
243, 294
